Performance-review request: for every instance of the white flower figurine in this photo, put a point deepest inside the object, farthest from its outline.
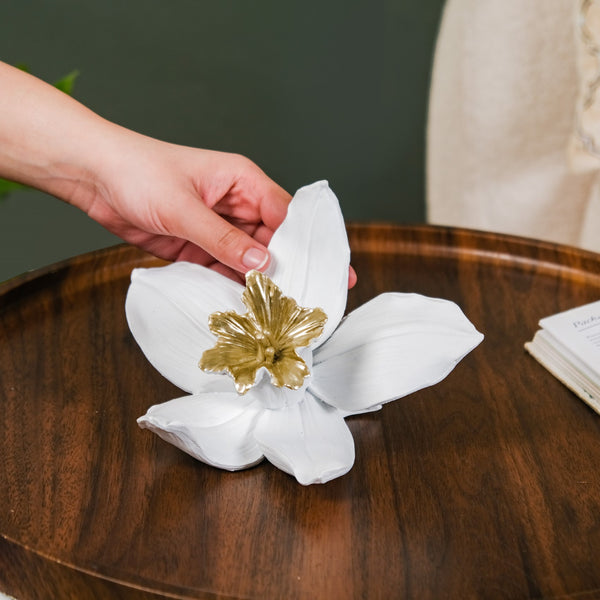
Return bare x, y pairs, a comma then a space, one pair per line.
281, 369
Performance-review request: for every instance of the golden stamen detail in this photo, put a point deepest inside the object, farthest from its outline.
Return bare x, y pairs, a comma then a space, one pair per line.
266, 336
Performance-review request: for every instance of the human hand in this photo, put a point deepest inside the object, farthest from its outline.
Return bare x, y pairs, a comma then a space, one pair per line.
212, 208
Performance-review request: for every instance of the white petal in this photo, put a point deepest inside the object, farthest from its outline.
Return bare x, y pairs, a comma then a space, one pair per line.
362, 411
167, 311
390, 347
310, 254
214, 428
309, 440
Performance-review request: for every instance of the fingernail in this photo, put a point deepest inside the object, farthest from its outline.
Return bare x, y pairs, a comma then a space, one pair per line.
255, 258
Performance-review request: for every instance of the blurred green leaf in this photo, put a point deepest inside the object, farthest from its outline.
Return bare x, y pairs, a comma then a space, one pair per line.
65, 84
7, 186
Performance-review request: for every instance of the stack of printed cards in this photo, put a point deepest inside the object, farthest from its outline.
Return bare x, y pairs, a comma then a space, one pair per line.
568, 345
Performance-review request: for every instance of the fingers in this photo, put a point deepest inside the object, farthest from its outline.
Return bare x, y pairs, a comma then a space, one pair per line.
210, 235
352, 277
274, 211
253, 257
228, 244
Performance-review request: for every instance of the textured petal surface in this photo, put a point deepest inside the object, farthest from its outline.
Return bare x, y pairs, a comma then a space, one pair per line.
214, 428
237, 350
278, 316
389, 347
167, 311
303, 326
234, 329
310, 254
309, 440
290, 371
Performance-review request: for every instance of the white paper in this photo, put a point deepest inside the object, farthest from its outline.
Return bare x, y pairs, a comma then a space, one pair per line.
579, 330
568, 345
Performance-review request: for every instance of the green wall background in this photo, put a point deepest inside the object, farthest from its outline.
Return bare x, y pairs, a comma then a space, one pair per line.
332, 90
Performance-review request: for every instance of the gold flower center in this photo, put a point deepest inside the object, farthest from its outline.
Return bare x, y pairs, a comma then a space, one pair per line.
269, 355
266, 336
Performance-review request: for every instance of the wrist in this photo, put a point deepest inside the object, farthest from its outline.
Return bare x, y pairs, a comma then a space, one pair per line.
46, 137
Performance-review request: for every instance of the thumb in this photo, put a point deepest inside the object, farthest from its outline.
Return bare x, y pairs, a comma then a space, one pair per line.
222, 240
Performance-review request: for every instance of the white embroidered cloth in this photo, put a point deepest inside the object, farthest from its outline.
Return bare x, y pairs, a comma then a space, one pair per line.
514, 119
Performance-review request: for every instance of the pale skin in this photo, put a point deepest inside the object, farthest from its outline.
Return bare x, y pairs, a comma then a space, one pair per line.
179, 203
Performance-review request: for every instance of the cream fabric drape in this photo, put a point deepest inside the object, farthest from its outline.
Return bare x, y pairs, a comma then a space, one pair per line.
513, 140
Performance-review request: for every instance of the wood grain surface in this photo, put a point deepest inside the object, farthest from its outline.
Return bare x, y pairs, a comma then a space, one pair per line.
486, 485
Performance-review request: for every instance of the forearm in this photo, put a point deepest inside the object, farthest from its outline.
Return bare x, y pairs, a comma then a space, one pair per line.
177, 202
48, 140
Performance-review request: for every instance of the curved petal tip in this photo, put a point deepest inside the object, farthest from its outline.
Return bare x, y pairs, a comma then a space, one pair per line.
309, 440
216, 429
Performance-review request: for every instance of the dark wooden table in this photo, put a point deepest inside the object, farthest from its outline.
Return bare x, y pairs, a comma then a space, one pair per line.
486, 485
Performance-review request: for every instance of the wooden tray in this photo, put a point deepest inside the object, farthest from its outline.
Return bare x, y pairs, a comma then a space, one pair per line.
486, 485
